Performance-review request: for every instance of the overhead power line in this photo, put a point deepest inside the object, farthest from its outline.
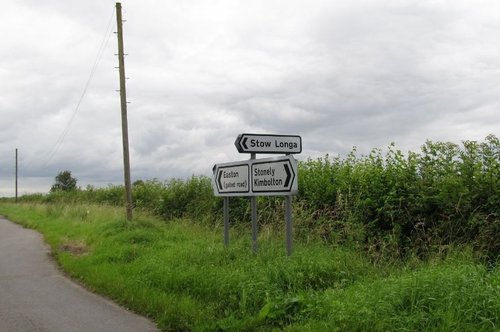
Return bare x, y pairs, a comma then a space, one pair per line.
100, 52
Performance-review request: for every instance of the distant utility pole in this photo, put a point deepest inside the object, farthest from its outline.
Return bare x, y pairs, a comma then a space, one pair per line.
16, 174
123, 99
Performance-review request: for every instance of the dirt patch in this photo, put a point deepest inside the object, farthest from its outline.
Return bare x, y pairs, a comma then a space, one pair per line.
76, 248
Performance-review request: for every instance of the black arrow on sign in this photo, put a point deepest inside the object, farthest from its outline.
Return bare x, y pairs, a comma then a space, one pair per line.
237, 143
244, 143
218, 180
288, 175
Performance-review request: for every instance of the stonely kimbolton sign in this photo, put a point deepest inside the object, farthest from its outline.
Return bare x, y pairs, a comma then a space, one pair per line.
270, 176
277, 144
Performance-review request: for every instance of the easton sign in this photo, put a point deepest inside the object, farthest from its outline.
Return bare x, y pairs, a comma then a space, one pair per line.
255, 143
232, 179
256, 177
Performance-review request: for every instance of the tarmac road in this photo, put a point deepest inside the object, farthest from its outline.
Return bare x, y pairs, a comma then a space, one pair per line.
36, 296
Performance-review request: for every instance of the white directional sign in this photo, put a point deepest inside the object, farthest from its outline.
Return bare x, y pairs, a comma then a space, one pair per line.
256, 177
232, 179
255, 143
273, 176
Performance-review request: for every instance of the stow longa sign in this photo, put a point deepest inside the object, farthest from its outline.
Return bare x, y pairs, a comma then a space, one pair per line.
256, 143
256, 177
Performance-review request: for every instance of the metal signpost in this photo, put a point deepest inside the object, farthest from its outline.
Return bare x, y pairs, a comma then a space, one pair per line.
260, 177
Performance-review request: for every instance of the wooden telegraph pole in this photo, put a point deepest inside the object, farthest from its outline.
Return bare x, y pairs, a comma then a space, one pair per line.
17, 172
123, 100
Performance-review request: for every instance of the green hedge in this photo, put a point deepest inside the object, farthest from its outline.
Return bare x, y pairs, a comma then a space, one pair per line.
390, 203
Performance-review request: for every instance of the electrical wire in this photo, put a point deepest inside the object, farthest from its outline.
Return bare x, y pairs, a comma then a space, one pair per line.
98, 58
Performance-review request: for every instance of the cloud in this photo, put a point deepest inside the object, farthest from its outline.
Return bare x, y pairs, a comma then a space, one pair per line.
340, 74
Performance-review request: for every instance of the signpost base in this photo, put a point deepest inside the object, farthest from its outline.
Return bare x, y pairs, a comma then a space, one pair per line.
253, 205
226, 221
288, 219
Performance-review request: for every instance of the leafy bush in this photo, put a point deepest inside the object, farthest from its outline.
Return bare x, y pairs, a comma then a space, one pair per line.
444, 195
192, 198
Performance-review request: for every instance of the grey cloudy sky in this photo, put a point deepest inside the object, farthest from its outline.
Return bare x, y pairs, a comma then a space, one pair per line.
339, 73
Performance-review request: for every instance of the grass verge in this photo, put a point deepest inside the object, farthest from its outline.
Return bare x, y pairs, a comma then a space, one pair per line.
179, 274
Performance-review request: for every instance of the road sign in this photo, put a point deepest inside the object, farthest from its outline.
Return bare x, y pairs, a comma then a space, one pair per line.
256, 143
256, 177
233, 179
273, 176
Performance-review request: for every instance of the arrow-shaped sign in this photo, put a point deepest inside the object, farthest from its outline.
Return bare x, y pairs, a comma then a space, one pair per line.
232, 178
273, 176
257, 143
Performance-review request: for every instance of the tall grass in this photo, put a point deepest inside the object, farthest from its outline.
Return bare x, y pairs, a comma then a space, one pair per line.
179, 274
450, 295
